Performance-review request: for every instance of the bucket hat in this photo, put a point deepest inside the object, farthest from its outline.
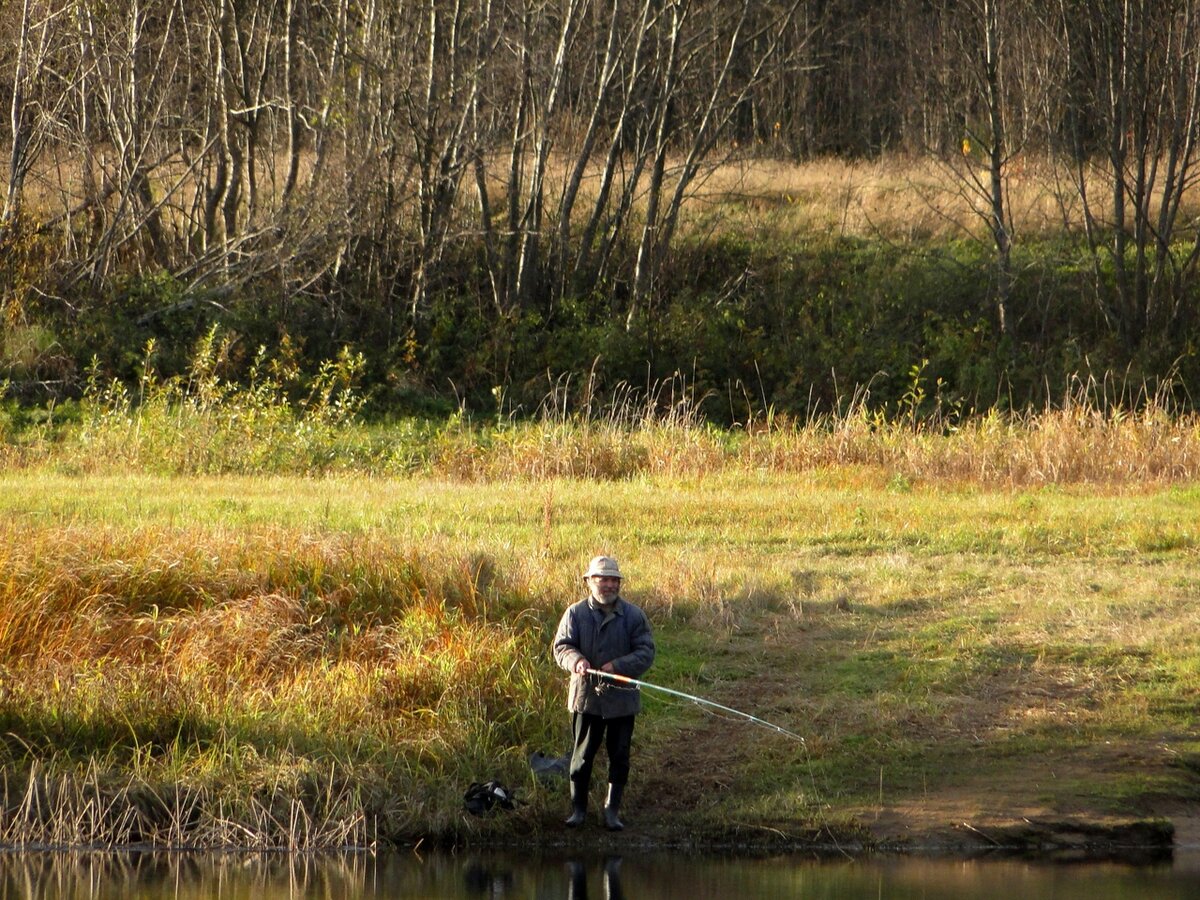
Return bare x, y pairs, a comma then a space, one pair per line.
602, 565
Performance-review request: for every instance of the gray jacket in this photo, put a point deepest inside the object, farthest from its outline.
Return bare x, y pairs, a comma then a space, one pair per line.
624, 640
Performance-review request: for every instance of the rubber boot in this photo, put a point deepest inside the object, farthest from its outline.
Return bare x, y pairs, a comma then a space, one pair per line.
579, 800
612, 806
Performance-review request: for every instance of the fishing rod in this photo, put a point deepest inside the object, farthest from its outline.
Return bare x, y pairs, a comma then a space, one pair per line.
625, 679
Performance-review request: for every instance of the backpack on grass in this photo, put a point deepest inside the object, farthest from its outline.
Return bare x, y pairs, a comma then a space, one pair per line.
481, 798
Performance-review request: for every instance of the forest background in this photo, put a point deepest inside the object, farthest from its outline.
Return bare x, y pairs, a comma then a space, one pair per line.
480, 204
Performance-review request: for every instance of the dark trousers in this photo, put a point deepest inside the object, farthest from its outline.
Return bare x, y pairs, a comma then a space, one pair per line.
592, 731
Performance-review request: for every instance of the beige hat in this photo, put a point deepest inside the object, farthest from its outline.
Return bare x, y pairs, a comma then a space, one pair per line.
603, 565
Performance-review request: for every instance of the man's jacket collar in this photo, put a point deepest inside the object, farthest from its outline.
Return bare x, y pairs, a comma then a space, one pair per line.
595, 606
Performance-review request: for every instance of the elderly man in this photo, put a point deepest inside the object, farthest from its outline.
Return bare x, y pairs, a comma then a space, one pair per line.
606, 632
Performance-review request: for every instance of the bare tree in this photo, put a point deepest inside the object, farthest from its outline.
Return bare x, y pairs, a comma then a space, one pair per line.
129, 49
440, 115
1140, 69
40, 85
701, 87
972, 80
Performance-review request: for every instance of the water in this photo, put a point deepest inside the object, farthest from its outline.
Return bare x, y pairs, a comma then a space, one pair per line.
233, 876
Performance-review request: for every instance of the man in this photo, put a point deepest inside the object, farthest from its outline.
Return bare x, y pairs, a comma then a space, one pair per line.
606, 632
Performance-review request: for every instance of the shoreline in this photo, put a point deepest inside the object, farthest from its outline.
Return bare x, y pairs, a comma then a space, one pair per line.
1136, 842
1082, 838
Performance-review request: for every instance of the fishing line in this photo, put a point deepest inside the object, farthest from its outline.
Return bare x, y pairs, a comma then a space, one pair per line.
712, 704
625, 679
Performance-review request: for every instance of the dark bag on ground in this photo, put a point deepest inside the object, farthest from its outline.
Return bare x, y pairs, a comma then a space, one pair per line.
480, 798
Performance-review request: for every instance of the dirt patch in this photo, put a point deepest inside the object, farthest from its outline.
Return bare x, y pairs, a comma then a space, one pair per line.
1126, 799
963, 824
695, 770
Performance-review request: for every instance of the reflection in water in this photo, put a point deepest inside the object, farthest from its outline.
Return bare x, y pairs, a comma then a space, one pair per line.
232, 876
527, 876
577, 888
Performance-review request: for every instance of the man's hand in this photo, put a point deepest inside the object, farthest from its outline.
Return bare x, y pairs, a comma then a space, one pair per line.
582, 666
608, 667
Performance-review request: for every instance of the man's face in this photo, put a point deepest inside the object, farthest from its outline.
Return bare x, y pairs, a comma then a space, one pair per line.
604, 588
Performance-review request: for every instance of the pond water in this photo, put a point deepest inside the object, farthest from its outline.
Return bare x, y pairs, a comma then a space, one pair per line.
235, 876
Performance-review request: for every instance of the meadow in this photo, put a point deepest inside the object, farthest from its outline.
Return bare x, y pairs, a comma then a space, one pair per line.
227, 621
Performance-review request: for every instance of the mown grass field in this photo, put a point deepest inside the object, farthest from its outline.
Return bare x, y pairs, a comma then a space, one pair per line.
303, 661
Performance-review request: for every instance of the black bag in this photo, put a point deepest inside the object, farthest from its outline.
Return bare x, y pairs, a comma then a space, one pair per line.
480, 798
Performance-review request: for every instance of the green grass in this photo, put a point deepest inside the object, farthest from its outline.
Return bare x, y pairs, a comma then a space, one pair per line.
223, 619
252, 659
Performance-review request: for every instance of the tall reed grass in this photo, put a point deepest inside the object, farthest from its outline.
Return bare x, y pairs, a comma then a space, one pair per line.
1099, 432
261, 690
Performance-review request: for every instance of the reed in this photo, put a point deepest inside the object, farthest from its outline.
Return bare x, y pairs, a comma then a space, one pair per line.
1100, 431
264, 690
62, 806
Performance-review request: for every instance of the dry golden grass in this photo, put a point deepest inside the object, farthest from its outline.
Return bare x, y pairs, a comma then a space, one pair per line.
1089, 437
898, 197
1073, 445
339, 633
1067, 446
195, 686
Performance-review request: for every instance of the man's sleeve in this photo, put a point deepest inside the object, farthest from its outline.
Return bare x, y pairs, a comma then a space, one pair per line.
566, 646
641, 655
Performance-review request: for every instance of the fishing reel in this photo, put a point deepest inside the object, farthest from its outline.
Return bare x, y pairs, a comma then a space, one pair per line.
604, 685
599, 685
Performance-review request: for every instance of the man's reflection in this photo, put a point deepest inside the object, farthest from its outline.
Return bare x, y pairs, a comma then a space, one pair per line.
577, 885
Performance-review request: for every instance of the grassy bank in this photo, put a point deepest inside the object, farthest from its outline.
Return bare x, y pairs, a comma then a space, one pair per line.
278, 661
207, 422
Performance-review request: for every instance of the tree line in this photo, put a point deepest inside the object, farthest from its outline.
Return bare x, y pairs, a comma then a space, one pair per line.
368, 164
